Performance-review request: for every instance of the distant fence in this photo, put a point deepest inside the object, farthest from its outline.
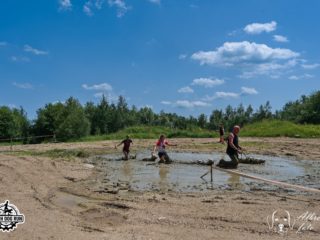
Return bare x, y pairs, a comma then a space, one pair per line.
27, 140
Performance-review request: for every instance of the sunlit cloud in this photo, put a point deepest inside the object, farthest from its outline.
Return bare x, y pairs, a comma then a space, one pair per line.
98, 87
279, 38
248, 91
186, 90
310, 66
28, 48
65, 5
122, 7
257, 28
207, 82
23, 85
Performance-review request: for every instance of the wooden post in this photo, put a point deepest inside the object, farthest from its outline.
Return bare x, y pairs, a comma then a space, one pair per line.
204, 174
211, 172
11, 144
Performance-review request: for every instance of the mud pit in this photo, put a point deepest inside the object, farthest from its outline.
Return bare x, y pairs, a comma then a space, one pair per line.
67, 198
183, 176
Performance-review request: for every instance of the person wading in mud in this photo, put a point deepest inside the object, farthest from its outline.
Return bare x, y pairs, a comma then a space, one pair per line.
126, 147
233, 149
161, 147
221, 133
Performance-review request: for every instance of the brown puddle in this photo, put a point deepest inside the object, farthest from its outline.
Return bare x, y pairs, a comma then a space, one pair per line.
181, 177
69, 201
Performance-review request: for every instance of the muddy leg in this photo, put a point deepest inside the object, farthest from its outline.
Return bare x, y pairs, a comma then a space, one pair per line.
126, 155
167, 158
229, 164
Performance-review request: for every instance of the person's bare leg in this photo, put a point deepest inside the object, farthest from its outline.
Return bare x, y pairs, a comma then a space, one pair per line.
162, 159
126, 155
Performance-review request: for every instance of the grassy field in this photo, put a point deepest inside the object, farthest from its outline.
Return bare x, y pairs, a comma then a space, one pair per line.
267, 128
147, 132
276, 128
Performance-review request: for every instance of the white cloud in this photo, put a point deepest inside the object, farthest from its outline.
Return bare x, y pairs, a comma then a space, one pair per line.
65, 5
11, 105
308, 75
3, 44
249, 57
233, 33
232, 53
98, 87
304, 76
87, 9
186, 104
256, 28
183, 56
293, 77
207, 82
310, 66
166, 102
190, 104
272, 69
91, 5
248, 91
23, 85
279, 38
185, 90
226, 95
155, 1
121, 6
108, 95
99, 4
19, 59
28, 48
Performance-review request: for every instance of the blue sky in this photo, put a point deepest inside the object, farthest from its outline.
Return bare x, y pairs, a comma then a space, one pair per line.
188, 57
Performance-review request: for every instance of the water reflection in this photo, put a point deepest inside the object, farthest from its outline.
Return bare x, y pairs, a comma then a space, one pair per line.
234, 182
163, 174
126, 170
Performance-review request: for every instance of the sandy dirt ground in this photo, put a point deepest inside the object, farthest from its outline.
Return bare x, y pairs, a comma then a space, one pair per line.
59, 198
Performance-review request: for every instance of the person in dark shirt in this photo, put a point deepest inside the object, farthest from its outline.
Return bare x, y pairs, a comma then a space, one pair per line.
221, 133
126, 147
233, 149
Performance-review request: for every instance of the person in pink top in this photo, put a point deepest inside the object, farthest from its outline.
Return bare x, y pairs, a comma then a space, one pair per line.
161, 147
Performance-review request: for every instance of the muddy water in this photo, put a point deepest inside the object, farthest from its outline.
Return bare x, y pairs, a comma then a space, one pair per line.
144, 176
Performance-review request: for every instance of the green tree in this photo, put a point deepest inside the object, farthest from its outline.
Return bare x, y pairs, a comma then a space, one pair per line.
202, 121
74, 123
7, 125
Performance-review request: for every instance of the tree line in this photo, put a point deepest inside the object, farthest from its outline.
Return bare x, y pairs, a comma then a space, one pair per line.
71, 120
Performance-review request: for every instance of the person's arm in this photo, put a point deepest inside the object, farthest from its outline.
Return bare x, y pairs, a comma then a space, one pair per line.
174, 145
119, 144
154, 149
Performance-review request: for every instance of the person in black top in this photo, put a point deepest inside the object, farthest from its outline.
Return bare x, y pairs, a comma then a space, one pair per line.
126, 147
233, 149
221, 133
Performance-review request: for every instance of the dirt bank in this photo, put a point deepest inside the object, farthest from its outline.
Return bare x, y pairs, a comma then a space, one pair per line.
61, 200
